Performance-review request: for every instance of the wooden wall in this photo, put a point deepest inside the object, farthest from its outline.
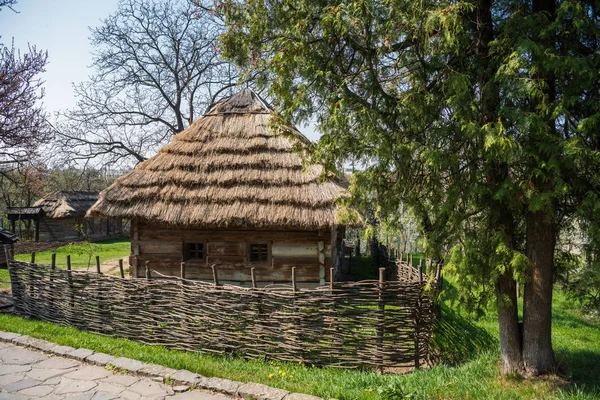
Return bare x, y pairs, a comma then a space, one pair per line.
309, 251
63, 229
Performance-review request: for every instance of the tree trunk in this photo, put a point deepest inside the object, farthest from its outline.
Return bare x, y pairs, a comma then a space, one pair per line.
538, 356
508, 320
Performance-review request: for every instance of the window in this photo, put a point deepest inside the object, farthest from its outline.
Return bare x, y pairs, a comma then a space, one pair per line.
195, 251
259, 252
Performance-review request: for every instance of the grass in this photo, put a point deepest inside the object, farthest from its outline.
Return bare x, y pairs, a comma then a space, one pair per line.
472, 345
468, 364
80, 253
4, 279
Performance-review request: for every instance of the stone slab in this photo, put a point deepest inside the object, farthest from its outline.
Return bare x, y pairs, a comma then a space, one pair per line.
261, 392
13, 369
121, 379
20, 385
220, 385
73, 386
80, 354
156, 370
186, 377
8, 336
89, 373
148, 388
100, 359
57, 363
63, 350
37, 391
18, 356
44, 374
301, 396
127, 364
198, 395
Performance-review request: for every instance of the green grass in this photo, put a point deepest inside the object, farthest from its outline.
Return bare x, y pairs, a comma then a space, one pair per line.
80, 253
471, 346
4, 279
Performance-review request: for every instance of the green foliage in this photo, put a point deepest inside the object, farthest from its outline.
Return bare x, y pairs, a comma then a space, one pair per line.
472, 129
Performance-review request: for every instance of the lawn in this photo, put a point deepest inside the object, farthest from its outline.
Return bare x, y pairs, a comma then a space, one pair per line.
473, 344
82, 253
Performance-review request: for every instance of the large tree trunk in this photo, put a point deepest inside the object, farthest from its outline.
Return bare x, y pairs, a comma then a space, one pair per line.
538, 356
508, 320
502, 218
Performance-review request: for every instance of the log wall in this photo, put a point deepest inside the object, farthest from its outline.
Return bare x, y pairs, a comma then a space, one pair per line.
164, 250
64, 229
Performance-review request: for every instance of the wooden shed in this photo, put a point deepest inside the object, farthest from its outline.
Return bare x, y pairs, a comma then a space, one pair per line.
7, 239
65, 210
230, 192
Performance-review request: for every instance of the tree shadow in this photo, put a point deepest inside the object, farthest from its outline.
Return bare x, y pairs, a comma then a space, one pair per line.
457, 340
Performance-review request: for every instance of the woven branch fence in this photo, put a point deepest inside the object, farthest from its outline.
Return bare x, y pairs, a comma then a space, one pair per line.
377, 324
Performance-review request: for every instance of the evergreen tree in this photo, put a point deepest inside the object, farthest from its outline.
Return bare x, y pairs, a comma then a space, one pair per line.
481, 116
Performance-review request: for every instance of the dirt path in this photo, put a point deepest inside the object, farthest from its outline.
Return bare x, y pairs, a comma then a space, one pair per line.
109, 267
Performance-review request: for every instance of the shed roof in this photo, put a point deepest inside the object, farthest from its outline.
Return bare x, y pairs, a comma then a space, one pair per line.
67, 203
228, 169
7, 237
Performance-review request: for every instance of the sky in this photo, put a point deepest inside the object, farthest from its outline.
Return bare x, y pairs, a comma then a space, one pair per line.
62, 28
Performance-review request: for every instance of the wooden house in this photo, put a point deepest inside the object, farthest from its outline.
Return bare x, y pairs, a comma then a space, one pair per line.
61, 216
230, 192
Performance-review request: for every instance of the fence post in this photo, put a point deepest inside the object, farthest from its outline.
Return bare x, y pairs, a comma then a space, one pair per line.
53, 261
253, 278
215, 278
182, 272
294, 279
98, 265
121, 268
331, 278
421, 270
33, 257
70, 282
380, 318
148, 272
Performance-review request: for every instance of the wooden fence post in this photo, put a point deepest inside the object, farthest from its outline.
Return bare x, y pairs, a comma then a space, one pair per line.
215, 277
68, 262
421, 270
381, 318
253, 278
121, 268
331, 279
70, 283
53, 261
33, 257
148, 272
98, 265
294, 279
182, 271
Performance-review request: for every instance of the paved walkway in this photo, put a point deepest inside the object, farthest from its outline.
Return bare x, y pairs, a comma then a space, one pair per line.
28, 374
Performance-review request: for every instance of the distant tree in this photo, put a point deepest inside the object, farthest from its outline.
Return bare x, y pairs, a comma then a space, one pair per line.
481, 116
23, 124
157, 68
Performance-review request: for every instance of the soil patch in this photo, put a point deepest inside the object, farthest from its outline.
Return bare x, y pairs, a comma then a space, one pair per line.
28, 247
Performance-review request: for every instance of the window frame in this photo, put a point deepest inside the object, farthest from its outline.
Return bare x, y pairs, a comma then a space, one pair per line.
250, 243
186, 251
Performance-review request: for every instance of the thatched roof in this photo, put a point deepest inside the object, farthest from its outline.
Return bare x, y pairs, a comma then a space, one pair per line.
228, 169
66, 204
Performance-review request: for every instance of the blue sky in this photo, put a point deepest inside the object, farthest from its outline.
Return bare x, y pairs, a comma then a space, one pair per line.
62, 28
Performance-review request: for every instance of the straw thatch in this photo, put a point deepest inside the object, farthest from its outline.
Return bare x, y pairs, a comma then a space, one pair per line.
228, 169
67, 204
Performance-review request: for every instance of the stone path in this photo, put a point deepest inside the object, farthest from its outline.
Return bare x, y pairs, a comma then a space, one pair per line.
27, 374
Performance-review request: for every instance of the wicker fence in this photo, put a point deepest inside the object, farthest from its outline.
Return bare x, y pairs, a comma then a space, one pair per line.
378, 324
